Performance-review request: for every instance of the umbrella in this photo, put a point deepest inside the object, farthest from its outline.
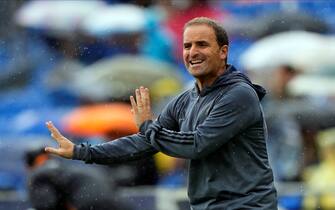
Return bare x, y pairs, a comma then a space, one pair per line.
310, 113
303, 50
288, 21
119, 76
109, 119
60, 18
269, 24
117, 18
312, 85
61, 75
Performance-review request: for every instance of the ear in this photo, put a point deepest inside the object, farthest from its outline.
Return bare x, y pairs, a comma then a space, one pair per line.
224, 52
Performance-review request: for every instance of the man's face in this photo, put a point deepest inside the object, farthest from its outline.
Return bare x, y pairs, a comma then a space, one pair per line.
202, 55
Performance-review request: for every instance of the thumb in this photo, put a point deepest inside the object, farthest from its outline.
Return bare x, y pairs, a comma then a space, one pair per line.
52, 150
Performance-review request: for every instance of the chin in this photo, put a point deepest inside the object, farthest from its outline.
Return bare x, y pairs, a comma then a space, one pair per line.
196, 71
197, 74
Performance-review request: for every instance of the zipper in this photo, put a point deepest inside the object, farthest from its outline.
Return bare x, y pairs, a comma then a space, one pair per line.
196, 109
198, 97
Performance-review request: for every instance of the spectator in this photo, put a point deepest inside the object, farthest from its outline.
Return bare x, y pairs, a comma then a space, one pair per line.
54, 185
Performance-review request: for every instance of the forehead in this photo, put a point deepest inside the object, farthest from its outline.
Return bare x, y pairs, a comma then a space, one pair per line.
199, 32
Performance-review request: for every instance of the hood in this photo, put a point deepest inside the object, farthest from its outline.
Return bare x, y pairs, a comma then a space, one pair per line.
232, 76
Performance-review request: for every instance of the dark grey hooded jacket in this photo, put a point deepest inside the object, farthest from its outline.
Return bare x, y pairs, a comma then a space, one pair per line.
221, 130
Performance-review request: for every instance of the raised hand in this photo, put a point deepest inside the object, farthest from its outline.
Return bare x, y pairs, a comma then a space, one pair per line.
141, 108
65, 148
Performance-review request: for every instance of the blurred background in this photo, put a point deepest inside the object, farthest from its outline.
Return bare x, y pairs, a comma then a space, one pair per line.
76, 63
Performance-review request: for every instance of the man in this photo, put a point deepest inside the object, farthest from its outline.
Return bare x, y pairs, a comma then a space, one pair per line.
218, 125
285, 139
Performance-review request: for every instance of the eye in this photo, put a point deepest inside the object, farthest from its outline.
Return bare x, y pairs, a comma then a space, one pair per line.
187, 46
202, 44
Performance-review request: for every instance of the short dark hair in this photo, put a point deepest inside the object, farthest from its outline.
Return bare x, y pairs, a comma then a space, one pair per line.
220, 32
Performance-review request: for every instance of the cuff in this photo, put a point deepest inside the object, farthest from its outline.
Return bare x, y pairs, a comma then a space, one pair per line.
144, 126
152, 131
81, 152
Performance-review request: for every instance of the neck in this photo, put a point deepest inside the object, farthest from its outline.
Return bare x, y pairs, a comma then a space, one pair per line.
208, 81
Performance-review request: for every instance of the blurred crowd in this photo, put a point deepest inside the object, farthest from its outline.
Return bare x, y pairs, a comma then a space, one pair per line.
77, 62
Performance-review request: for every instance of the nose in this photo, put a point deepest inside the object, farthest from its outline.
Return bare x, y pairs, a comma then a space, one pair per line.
193, 52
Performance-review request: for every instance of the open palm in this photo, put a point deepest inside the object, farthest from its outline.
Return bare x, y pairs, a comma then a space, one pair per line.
141, 107
65, 146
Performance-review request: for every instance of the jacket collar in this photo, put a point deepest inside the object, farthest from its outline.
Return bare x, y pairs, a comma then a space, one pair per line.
229, 77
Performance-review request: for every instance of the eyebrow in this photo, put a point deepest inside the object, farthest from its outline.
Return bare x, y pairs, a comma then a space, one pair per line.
197, 42
202, 42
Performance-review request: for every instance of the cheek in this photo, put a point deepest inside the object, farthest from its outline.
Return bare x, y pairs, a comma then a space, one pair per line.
216, 59
185, 57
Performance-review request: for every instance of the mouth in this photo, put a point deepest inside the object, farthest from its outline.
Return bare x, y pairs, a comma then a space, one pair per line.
194, 63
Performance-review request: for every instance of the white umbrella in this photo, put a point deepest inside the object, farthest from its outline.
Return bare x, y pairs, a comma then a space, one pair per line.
312, 85
117, 18
61, 17
306, 51
119, 76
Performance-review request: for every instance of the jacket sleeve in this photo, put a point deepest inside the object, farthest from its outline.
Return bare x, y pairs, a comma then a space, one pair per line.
127, 148
120, 150
234, 112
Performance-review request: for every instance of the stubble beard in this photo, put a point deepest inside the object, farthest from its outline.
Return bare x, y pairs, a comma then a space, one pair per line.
198, 72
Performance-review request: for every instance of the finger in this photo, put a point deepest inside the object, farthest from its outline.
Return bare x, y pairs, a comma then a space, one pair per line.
143, 95
133, 104
54, 131
138, 98
146, 97
51, 150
